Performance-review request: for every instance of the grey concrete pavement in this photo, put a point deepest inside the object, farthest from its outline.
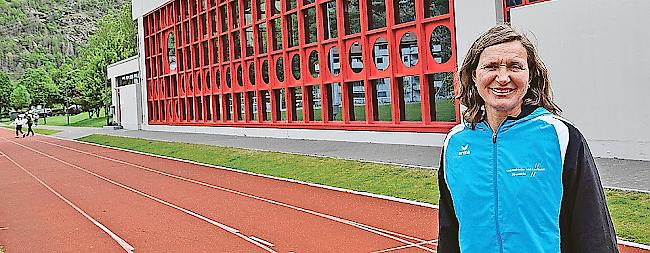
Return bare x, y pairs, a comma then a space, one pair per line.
614, 173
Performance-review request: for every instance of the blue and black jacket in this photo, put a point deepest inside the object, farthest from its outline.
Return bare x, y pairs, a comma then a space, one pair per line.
530, 187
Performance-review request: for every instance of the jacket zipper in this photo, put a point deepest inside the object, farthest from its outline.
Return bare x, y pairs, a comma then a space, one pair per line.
496, 190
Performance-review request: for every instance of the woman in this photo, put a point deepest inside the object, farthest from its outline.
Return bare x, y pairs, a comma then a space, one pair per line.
515, 177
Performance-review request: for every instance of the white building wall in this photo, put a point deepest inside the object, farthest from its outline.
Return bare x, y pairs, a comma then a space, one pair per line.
598, 56
127, 110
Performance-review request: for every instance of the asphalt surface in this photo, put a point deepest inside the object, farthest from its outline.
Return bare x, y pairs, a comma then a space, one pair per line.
614, 173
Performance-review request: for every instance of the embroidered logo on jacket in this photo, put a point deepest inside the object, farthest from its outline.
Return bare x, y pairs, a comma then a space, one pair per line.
523, 172
464, 150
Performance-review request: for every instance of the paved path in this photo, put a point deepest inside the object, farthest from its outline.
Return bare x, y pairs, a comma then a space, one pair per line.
614, 173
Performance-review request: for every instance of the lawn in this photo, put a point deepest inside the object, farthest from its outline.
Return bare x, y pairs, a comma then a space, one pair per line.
80, 120
36, 130
630, 210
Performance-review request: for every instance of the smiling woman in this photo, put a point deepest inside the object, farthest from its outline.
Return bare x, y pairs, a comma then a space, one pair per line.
526, 174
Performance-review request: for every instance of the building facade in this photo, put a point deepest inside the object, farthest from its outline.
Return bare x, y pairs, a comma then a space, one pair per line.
351, 70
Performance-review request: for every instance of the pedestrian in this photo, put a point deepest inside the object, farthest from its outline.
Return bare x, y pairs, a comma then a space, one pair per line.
19, 122
515, 176
30, 122
36, 118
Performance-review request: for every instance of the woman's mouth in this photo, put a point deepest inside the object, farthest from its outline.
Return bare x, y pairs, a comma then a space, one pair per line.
502, 91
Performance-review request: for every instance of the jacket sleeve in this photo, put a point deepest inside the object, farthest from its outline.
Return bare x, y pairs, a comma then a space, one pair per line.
585, 223
447, 221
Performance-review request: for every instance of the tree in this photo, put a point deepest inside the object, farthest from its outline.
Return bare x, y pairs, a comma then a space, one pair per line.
40, 85
114, 40
6, 87
20, 97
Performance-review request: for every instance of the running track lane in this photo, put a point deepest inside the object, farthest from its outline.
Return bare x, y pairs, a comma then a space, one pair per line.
292, 217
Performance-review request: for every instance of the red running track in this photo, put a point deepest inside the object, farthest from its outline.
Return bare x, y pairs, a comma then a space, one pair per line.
65, 196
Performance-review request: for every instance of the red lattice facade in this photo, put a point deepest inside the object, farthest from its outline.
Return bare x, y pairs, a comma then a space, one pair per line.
510, 4
376, 65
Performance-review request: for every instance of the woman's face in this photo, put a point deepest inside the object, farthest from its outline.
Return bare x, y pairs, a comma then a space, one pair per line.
501, 78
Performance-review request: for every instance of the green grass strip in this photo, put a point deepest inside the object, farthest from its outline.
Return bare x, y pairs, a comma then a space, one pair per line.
630, 210
36, 130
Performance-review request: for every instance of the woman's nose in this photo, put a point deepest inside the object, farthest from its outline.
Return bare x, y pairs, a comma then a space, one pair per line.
503, 77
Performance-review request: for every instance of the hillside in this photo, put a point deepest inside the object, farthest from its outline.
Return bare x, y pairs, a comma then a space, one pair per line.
37, 32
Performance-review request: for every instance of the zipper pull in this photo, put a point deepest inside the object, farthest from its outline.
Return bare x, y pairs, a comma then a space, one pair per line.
494, 138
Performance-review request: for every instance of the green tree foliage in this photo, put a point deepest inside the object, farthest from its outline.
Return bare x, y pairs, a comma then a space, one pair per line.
114, 40
20, 97
6, 87
40, 85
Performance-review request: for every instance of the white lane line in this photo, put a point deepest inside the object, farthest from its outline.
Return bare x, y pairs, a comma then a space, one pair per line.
633, 244
262, 241
388, 234
191, 213
432, 242
367, 194
126, 246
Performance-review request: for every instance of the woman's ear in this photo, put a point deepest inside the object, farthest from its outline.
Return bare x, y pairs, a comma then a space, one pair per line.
474, 76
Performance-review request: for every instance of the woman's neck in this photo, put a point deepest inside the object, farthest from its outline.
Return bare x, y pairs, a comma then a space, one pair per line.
496, 117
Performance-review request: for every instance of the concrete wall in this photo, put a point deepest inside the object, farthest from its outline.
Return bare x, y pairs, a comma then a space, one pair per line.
128, 114
598, 56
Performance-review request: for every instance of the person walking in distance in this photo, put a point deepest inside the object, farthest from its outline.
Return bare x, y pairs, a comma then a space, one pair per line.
30, 122
19, 121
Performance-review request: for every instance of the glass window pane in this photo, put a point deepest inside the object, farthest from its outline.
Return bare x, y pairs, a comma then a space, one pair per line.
296, 105
265, 112
510, 3
261, 28
352, 18
234, 6
356, 59
215, 50
314, 68
333, 61
436, 8
295, 66
410, 98
225, 47
279, 69
310, 25
265, 71
248, 13
249, 41
441, 89
275, 7
357, 98
292, 26
315, 113
236, 45
261, 9
224, 18
251, 73
440, 44
291, 4
380, 54
171, 51
228, 80
381, 100
404, 11
213, 21
277, 33
329, 20
376, 14
240, 76
408, 49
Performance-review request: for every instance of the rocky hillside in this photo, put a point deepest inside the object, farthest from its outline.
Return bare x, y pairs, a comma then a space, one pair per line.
38, 32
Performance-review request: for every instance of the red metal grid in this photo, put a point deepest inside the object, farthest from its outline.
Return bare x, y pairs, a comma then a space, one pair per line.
215, 51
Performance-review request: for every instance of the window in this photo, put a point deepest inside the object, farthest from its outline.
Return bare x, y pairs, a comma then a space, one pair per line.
236, 45
408, 49
436, 8
276, 25
441, 97
356, 59
171, 51
292, 26
352, 18
356, 101
261, 9
295, 66
381, 101
314, 68
404, 11
261, 28
333, 61
309, 16
440, 44
380, 54
410, 100
376, 14
329, 20
249, 41
127, 79
279, 69
248, 13
251, 73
